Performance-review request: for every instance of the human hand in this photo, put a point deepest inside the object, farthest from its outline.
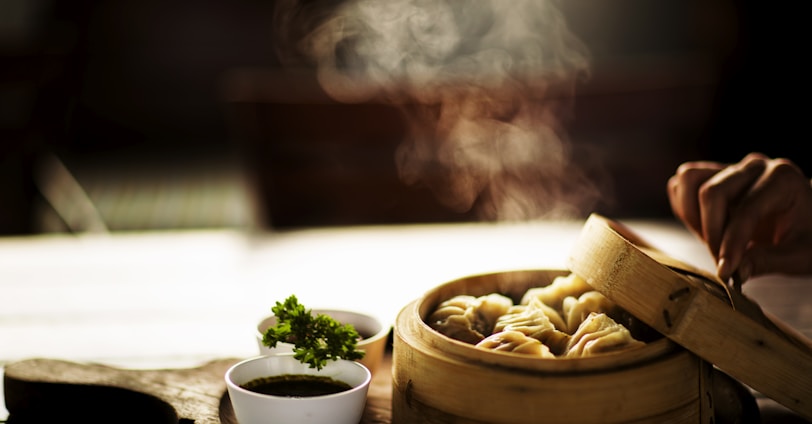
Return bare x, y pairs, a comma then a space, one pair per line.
755, 216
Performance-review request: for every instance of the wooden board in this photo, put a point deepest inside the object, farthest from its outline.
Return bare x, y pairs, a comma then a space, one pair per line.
769, 358
51, 390
60, 391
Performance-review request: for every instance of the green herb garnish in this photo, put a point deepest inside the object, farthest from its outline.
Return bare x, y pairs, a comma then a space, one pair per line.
315, 338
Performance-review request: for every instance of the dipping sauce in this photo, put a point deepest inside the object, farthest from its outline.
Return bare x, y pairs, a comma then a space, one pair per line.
296, 385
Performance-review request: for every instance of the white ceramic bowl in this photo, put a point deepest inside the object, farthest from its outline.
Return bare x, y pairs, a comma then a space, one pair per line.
375, 335
250, 407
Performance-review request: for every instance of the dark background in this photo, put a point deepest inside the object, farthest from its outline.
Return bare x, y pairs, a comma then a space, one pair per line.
175, 93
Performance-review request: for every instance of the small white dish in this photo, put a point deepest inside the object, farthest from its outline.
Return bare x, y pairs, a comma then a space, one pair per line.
250, 407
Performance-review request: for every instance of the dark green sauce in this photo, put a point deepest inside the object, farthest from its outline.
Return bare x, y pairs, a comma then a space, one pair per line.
296, 385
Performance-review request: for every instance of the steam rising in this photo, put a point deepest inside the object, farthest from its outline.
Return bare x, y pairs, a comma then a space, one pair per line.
487, 84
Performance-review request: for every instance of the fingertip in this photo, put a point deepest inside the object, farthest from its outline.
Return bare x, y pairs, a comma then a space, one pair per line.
671, 184
723, 269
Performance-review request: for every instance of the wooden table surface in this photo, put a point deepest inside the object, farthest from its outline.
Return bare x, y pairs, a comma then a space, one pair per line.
180, 299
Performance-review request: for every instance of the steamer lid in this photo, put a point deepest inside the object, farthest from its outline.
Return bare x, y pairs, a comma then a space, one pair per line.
697, 310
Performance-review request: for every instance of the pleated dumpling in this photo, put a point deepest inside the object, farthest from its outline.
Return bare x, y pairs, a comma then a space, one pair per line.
533, 321
599, 334
516, 342
576, 310
457, 305
553, 294
450, 319
468, 318
487, 309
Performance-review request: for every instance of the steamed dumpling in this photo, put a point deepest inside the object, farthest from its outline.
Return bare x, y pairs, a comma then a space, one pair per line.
577, 309
450, 319
553, 294
457, 305
468, 318
486, 310
532, 320
556, 318
516, 342
599, 334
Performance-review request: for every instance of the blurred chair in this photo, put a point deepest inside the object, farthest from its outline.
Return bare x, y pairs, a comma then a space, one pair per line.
67, 198
113, 195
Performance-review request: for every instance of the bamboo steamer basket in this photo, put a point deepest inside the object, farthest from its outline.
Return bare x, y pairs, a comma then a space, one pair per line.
437, 379
705, 324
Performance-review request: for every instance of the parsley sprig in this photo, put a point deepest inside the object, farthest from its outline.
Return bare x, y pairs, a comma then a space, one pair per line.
315, 338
